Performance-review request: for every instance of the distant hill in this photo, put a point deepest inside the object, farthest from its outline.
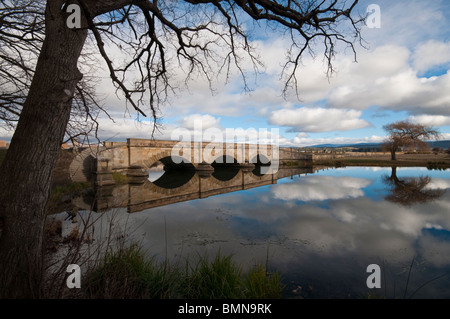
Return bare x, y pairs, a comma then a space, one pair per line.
441, 144
358, 145
377, 146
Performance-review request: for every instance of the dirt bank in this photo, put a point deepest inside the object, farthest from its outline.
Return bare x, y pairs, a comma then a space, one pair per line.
383, 159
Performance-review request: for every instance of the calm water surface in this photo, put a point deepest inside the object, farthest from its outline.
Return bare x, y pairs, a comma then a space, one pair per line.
320, 230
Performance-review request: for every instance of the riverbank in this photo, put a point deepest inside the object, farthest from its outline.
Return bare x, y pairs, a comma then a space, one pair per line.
432, 161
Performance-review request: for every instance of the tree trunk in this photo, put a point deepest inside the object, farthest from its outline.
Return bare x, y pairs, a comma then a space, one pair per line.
394, 177
27, 169
393, 157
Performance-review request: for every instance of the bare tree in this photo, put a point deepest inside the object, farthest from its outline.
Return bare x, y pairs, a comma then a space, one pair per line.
203, 37
407, 134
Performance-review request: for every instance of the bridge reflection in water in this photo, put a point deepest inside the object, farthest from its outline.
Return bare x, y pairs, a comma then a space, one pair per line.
174, 186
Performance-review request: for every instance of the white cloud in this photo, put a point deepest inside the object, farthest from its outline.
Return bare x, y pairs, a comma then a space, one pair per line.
430, 54
302, 135
430, 120
123, 128
438, 183
321, 188
385, 77
308, 119
408, 22
376, 81
200, 121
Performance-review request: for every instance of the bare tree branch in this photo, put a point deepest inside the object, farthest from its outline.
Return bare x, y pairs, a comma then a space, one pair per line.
22, 32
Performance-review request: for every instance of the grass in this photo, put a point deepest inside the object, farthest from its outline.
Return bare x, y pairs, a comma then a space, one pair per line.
219, 279
291, 163
120, 178
61, 196
260, 285
129, 273
70, 189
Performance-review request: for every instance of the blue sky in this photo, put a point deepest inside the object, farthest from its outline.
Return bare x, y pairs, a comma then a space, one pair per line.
403, 73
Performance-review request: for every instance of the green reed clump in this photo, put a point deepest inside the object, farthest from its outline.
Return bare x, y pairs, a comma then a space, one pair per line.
259, 284
218, 279
129, 273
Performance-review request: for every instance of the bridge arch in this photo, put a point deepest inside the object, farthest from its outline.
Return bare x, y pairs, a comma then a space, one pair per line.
176, 162
168, 160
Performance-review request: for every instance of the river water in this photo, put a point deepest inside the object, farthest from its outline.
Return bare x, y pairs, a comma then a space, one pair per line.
319, 230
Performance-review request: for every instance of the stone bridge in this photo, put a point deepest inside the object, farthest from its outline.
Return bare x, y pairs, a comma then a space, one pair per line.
136, 156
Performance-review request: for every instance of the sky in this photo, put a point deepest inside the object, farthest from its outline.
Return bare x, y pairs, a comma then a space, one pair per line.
401, 73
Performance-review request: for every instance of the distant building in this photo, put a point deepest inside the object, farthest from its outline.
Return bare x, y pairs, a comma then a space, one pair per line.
3, 144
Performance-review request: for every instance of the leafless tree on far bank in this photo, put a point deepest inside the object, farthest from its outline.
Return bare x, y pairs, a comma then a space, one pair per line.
407, 134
